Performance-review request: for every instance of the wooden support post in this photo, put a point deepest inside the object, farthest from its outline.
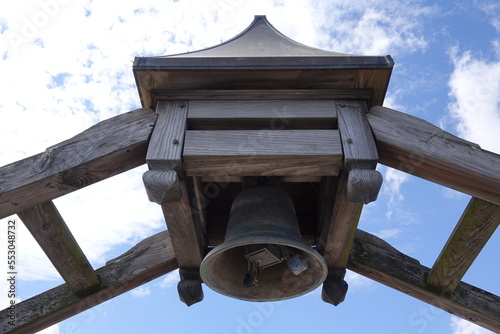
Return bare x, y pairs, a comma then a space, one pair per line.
50, 231
478, 222
376, 259
104, 150
417, 147
166, 185
149, 259
359, 183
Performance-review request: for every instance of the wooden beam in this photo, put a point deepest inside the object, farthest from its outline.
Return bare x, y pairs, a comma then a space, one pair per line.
261, 94
374, 258
164, 158
150, 259
262, 152
167, 140
54, 237
261, 114
415, 146
104, 150
477, 224
359, 183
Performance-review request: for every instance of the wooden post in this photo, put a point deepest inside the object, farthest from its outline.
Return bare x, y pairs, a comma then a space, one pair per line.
359, 183
166, 185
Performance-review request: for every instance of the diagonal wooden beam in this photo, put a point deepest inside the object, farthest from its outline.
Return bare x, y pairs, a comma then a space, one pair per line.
54, 237
477, 224
104, 150
415, 146
374, 258
149, 259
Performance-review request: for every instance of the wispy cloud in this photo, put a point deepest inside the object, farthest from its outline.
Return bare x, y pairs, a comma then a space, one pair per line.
142, 291
461, 326
475, 98
170, 280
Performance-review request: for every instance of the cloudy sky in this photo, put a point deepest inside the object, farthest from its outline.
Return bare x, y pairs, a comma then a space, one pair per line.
67, 64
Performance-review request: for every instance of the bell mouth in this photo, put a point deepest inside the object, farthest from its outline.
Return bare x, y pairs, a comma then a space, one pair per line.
263, 222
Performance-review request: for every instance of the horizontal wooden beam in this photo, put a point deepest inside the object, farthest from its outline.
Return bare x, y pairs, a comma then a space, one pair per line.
261, 114
415, 146
54, 237
261, 94
262, 152
104, 150
150, 259
374, 258
477, 224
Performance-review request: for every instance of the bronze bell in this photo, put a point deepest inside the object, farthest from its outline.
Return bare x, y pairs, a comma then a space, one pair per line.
263, 257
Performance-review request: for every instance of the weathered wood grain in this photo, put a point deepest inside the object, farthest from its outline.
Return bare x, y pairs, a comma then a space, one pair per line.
363, 185
360, 151
150, 259
261, 114
162, 186
261, 94
167, 140
477, 224
104, 150
377, 260
415, 146
262, 152
54, 237
185, 231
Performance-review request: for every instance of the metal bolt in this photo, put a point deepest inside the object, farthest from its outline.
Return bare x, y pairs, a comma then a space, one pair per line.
349, 140
175, 142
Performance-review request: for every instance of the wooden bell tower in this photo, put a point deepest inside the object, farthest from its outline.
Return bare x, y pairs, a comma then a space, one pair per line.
262, 108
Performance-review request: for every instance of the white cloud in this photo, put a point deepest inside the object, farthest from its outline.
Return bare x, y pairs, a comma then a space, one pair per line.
141, 291
475, 99
389, 233
170, 280
461, 326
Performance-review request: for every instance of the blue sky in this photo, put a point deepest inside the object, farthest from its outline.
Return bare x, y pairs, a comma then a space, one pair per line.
66, 65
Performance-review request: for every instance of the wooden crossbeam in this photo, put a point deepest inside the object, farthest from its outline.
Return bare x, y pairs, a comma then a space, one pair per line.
261, 114
262, 152
150, 259
54, 237
415, 146
374, 258
477, 224
154, 256
104, 150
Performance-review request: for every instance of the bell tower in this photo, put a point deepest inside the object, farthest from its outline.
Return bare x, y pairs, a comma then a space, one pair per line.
264, 120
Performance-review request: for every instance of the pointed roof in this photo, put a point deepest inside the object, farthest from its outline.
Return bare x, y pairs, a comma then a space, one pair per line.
262, 58
260, 39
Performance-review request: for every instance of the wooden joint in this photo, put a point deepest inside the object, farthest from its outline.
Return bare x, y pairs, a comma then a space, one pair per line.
162, 186
363, 185
335, 287
189, 288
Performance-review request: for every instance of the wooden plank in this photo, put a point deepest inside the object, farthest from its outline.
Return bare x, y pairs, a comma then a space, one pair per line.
167, 140
262, 152
477, 224
150, 259
260, 94
261, 114
104, 150
417, 147
54, 237
376, 259
185, 232
360, 151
